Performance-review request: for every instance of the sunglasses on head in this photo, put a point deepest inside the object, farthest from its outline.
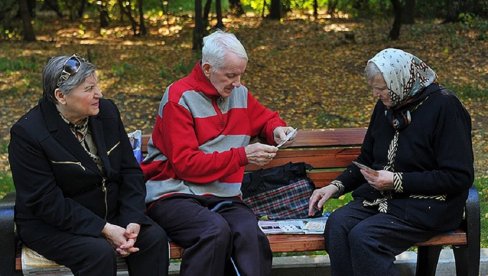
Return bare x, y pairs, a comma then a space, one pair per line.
70, 67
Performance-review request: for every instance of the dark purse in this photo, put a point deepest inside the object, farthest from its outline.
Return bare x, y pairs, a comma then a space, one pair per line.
280, 192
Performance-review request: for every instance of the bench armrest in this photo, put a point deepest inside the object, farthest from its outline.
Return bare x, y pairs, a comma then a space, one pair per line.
7, 235
472, 211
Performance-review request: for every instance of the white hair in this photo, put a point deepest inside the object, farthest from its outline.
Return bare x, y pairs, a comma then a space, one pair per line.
371, 71
217, 45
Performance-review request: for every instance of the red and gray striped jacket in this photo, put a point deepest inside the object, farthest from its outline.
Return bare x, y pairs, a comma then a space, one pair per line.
197, 144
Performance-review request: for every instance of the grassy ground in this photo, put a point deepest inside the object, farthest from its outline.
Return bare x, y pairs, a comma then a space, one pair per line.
309, 71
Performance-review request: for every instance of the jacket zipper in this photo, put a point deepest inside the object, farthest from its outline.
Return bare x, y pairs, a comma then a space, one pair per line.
69, 162
105, 192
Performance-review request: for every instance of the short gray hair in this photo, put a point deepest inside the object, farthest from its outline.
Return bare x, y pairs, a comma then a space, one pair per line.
217, 45
52, 71
371, 70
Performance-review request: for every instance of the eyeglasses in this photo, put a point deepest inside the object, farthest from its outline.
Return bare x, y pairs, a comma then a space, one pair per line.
70, 67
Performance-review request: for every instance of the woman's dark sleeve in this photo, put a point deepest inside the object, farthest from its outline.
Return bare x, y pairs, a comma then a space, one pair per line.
452, 146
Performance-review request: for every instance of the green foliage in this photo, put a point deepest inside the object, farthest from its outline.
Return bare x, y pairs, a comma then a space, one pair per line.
121, 69
17, 64
180, 69
482, 186
171, 6
467, 92
473, 22
6, 183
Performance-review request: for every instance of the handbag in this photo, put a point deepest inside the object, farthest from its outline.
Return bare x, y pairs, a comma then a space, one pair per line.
280, 192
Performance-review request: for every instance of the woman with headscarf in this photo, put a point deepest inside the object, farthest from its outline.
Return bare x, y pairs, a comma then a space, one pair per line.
418, 146
79, 190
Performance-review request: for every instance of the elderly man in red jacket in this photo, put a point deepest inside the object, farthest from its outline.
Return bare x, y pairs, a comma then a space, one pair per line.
196, 159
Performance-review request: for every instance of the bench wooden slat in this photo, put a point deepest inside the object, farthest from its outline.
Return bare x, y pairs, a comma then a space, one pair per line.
329, 137
301, 243
318, 158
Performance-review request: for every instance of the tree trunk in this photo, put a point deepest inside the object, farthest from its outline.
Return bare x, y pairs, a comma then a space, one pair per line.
453, 10
397, 22
28, 30
31, 5
142, 25
54, 6
408, 16
315, 8
104, 18
218, 10
331, 7
206, 12
81, 10
127, 10
198, 30
236, 7
275, 10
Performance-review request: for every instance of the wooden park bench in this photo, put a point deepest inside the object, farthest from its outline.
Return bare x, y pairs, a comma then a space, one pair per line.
329, 151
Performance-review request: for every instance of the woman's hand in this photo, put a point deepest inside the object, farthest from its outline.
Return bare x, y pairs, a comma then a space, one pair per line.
131, 233
260, 154
118, 238
383, 181
319, 197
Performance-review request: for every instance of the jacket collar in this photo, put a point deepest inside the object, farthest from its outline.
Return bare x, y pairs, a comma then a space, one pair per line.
202, 83
59, 129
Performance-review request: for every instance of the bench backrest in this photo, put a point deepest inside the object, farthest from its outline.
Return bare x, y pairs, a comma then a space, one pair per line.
327, 150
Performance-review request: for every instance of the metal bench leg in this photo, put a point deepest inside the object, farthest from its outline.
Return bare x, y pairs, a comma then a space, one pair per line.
7, 236
427, 258
468, 257
467, 260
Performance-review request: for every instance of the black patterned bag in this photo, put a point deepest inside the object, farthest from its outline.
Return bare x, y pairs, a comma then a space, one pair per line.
280, 192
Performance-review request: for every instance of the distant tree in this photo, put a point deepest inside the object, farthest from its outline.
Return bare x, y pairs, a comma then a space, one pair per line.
218, 11
82, 7
27, 29
103, 13
331, 7
397, 21
127, 10
408, 16
236, 7
52, 5
315, 9
275, 10
198, 30
142, 25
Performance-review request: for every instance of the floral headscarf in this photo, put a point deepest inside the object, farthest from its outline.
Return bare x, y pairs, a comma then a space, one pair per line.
405, 74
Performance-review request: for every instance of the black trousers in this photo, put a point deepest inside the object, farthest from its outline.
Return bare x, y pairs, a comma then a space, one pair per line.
362, 241
214, 240
93, 256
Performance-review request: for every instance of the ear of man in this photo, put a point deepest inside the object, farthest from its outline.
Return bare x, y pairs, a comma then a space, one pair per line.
206, 69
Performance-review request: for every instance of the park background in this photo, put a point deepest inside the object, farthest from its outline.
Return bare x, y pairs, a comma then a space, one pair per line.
306, 57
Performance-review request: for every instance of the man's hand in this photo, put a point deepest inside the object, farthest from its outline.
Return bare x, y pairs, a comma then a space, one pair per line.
319, 197
280, 134
260, 154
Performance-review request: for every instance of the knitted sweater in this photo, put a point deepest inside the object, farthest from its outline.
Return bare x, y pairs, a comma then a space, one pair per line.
197, 144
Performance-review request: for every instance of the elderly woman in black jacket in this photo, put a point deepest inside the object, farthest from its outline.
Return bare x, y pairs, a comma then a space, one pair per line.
418, 146
79, 190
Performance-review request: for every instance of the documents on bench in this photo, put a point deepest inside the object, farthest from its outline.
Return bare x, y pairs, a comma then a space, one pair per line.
294, 226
